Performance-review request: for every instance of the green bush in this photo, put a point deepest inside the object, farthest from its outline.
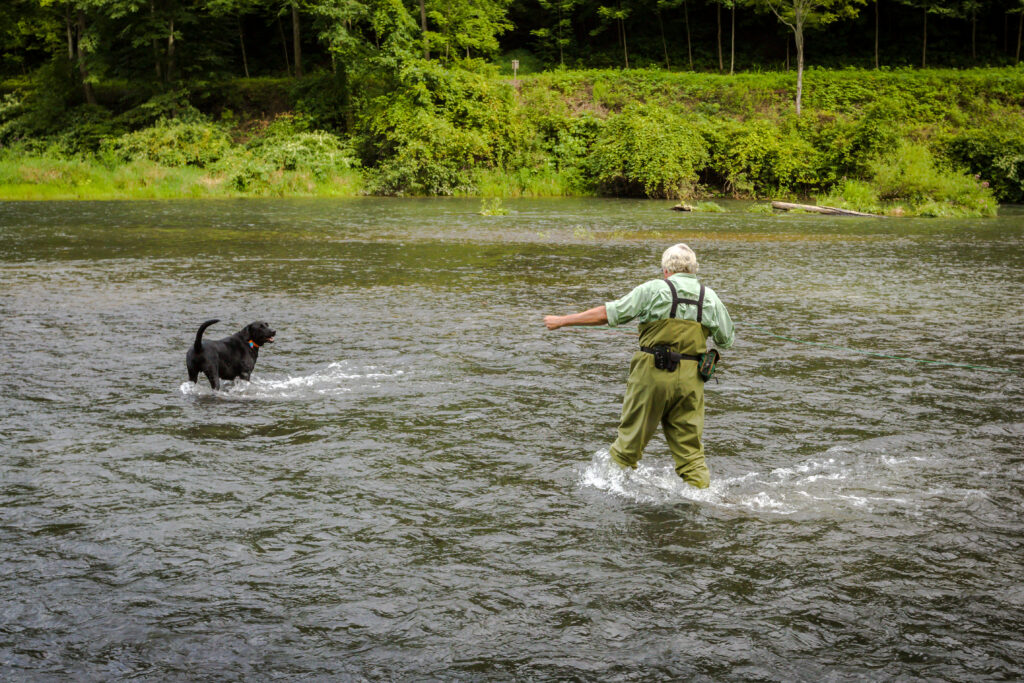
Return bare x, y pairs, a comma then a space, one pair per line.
762, 159
170, 143
911, 177
436, 127
647, 151
996, 154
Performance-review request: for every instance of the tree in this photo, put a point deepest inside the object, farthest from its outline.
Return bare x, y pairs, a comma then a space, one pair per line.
558, 35
801, 14
939, 7
615, 15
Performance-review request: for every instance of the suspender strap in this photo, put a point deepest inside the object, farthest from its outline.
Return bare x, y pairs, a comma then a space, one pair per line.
698, 302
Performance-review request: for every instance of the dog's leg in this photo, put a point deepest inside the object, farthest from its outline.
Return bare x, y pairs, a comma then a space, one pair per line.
193, 375
214, 378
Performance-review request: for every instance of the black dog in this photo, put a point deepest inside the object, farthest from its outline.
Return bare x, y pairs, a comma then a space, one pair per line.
227, 358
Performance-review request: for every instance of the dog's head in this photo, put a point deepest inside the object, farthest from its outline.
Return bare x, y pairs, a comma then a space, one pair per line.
260, 333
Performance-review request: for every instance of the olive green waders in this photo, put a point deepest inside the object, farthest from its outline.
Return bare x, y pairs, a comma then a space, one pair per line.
675, 399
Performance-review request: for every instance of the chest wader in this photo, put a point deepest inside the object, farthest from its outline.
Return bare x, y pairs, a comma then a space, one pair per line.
672, 397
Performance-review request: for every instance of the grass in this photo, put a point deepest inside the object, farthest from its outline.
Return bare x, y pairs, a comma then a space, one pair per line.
39, 178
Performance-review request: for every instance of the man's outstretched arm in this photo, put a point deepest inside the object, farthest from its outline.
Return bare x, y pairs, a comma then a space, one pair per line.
594, 316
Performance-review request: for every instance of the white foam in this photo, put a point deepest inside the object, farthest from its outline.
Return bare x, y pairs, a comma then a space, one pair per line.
814, 487
337, 378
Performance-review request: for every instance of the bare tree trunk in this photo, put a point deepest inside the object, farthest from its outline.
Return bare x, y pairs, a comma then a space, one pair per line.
284, 47
924, 41
718, 14
689, 48
170, 51
90, 95
156, 44
732, 41
297, 49
974, 34
241, 41
423, 28
1020, 34
71, 39
664, 45
798, 36
625, 50
876, 32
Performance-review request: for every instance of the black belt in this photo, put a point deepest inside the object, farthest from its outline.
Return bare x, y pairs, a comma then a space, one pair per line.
671, 354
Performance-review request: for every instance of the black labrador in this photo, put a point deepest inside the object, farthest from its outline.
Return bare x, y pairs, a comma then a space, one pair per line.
227, 358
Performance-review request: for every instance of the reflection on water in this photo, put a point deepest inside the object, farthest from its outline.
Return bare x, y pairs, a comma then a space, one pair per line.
415, 483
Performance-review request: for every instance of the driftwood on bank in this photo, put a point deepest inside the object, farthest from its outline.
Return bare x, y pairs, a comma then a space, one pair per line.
830, 210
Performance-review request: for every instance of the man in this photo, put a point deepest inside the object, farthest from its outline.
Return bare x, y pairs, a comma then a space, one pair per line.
676, 314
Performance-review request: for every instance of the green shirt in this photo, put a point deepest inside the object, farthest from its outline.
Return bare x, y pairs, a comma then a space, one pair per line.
653, 301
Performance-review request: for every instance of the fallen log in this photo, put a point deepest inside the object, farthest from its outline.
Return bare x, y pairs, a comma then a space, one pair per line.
830, 210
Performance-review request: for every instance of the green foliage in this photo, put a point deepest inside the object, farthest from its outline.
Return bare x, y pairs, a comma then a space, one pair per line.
647, 151
288, 145
429, 135
170, 143
996, 154
324, 99
763, 159
911, 179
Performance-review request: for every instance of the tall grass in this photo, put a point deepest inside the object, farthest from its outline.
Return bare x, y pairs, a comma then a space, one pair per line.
40, 178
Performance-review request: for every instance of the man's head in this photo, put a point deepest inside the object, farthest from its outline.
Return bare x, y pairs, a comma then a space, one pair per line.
679, 258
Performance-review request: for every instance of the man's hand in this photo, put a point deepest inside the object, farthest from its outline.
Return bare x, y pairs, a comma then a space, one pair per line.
594, 316
553, 322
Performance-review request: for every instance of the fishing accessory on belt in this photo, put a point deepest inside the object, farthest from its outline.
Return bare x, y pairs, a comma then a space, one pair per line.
665, 358
707, 363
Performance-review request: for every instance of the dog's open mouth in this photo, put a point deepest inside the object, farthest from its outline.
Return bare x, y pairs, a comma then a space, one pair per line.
270, 340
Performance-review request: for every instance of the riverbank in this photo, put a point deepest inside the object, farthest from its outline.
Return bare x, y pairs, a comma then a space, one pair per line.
929, 142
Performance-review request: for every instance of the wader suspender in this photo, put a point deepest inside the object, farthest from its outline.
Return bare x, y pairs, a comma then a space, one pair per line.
664, 357
699, 302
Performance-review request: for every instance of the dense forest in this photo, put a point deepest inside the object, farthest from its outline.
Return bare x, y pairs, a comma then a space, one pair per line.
660, 98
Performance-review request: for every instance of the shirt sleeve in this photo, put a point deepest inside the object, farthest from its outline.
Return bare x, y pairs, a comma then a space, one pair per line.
725, 334
630, 306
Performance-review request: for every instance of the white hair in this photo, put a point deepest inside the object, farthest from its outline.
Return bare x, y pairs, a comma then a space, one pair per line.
679, 258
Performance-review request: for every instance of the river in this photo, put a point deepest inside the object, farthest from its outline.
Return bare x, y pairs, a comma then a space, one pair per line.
415, 484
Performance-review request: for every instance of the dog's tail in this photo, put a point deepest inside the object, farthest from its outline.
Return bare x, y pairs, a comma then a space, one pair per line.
199, 335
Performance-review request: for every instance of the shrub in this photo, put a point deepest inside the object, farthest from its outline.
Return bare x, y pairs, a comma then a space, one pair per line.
435, 128
996, 154
912, 175
170, 143
647, 151
762, 159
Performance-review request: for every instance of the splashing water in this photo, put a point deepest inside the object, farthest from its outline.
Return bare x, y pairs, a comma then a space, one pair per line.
337, 378
821, 487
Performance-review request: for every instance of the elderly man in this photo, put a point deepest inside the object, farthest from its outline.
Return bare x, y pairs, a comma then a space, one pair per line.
676, 315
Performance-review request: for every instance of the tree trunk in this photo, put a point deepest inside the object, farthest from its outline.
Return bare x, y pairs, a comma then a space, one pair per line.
156, 44
284, 47
732, 41
241, 41
718, 14
83, 72
1020, 34
664, 45
876, 33
561, 53
798, 36
689, 48
423, 28
924, 41
625, 50
71, 39
297, 44
974, 34
170, 51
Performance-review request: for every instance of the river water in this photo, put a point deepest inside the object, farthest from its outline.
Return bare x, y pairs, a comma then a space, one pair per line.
415, 484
